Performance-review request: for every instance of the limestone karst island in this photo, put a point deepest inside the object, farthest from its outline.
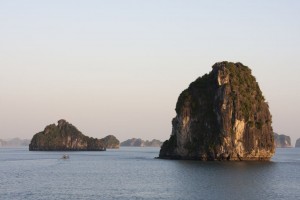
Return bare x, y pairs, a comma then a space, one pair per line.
282, 141
138, 142
222, 115
66, 137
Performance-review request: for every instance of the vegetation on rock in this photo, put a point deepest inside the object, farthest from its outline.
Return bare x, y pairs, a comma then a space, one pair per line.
222, 115
66, 137
111, 142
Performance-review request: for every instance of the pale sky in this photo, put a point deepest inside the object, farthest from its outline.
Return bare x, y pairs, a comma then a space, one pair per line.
118, 66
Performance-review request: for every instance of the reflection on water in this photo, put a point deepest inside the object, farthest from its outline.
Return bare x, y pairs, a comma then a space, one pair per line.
133, 173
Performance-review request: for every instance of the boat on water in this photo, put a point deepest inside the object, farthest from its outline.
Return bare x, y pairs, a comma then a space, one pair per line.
65, 156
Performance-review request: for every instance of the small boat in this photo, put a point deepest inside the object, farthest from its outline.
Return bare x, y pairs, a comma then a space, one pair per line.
65, 156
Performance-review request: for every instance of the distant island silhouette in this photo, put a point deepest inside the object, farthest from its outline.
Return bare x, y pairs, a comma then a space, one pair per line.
15, 142
137, 142
282, 141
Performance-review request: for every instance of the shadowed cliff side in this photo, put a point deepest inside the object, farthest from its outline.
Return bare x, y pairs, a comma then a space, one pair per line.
221, 116
66, 137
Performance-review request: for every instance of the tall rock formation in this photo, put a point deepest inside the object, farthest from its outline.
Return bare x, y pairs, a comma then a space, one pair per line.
297, 143
282, 141
66, 137
221, 116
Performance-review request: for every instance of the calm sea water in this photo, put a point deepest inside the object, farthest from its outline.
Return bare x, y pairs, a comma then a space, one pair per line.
133, 173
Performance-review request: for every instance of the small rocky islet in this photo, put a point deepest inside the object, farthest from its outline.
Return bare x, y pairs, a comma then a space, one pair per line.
282, 141
137, 142
66, 137
222, 115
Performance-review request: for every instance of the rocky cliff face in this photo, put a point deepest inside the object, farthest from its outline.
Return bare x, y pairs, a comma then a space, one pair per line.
66, 137
297, 143
137, 142
221, 116
282, 141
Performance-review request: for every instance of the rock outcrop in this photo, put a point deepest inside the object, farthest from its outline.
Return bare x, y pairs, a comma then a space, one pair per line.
282, 141
221, 116
111, 142
137, 142
66, 137
297, 145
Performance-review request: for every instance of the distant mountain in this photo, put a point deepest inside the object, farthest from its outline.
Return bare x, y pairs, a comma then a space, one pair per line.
282, 141
15, 142
137, 142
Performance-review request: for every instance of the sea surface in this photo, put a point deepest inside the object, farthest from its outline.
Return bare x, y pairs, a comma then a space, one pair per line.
134, 173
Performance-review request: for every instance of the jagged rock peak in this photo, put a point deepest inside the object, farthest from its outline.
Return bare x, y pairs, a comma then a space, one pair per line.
221, 116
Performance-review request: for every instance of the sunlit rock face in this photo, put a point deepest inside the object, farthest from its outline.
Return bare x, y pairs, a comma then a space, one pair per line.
66, 137
221, 116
